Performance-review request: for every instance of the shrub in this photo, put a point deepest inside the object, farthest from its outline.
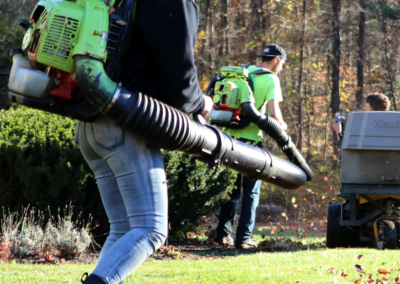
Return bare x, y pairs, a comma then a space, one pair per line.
193, 190
28, 235
40, 165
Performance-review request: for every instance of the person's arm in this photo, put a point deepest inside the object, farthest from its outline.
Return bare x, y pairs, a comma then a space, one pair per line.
337, 127
274, 96
168, 34
275, 112
170, 30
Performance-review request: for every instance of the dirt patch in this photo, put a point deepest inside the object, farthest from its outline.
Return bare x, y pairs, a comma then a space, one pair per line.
174, 251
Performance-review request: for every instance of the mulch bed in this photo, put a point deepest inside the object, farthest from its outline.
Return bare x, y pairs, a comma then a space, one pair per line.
174, 251
193, 251
89, 257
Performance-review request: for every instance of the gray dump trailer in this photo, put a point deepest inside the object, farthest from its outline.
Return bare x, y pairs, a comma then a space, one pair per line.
370, 179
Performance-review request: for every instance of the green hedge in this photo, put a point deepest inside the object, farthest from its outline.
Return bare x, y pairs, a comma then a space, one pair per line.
193, 190
40, 165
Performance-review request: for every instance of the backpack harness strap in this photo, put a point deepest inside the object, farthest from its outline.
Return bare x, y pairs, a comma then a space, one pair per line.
261, 71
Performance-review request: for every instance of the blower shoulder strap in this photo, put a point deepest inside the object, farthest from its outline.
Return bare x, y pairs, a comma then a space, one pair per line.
261, 71
119, 36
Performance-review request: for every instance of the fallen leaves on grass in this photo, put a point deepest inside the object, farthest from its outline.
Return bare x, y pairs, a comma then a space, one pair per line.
358, 268
383, 271
370, 280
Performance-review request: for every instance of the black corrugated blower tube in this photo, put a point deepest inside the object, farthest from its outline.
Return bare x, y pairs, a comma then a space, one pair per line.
168, 128
165, 127
272, 127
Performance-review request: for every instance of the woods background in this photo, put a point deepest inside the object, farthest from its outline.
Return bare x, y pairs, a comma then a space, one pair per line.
338, 52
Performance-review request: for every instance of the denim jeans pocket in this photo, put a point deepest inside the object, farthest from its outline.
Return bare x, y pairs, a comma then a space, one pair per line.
106, 134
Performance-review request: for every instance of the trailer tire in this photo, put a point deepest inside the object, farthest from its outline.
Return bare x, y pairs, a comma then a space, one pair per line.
390, 233
336, 235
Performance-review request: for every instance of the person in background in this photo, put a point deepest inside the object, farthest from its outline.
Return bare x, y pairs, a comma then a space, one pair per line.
373, 102
267, 95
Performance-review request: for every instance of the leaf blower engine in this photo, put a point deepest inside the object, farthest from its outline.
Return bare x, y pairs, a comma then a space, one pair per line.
80, 45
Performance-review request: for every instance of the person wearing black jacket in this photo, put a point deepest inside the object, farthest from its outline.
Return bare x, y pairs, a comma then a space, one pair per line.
130, 173
160, 57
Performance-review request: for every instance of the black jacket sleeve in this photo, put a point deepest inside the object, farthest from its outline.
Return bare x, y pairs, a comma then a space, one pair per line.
163, 45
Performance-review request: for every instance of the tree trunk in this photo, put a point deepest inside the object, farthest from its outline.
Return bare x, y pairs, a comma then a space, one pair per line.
386, 47
300, 79
335, 62
360, 61
208, 30
255, 29
328, 114
222, 32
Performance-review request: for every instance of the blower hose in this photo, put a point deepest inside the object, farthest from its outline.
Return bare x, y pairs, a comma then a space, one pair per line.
272, 127
165, 127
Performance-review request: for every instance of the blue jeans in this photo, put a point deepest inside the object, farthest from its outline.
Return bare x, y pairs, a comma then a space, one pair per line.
251, 196
132, 183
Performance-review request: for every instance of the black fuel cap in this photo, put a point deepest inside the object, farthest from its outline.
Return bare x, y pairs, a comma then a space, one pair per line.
15, 51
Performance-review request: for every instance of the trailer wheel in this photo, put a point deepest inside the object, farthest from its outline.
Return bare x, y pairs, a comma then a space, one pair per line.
390, 233
336, 235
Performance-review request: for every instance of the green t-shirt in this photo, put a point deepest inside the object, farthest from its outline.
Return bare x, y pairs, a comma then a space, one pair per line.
266, 87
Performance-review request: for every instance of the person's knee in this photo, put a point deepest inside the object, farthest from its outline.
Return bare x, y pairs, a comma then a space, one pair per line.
158, 238
118, 229
155, 236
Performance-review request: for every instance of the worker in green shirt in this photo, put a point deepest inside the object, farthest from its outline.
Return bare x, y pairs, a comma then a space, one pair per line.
267, 95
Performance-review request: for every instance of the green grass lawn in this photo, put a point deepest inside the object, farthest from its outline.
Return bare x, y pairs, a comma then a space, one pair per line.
316, 266
312, 266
